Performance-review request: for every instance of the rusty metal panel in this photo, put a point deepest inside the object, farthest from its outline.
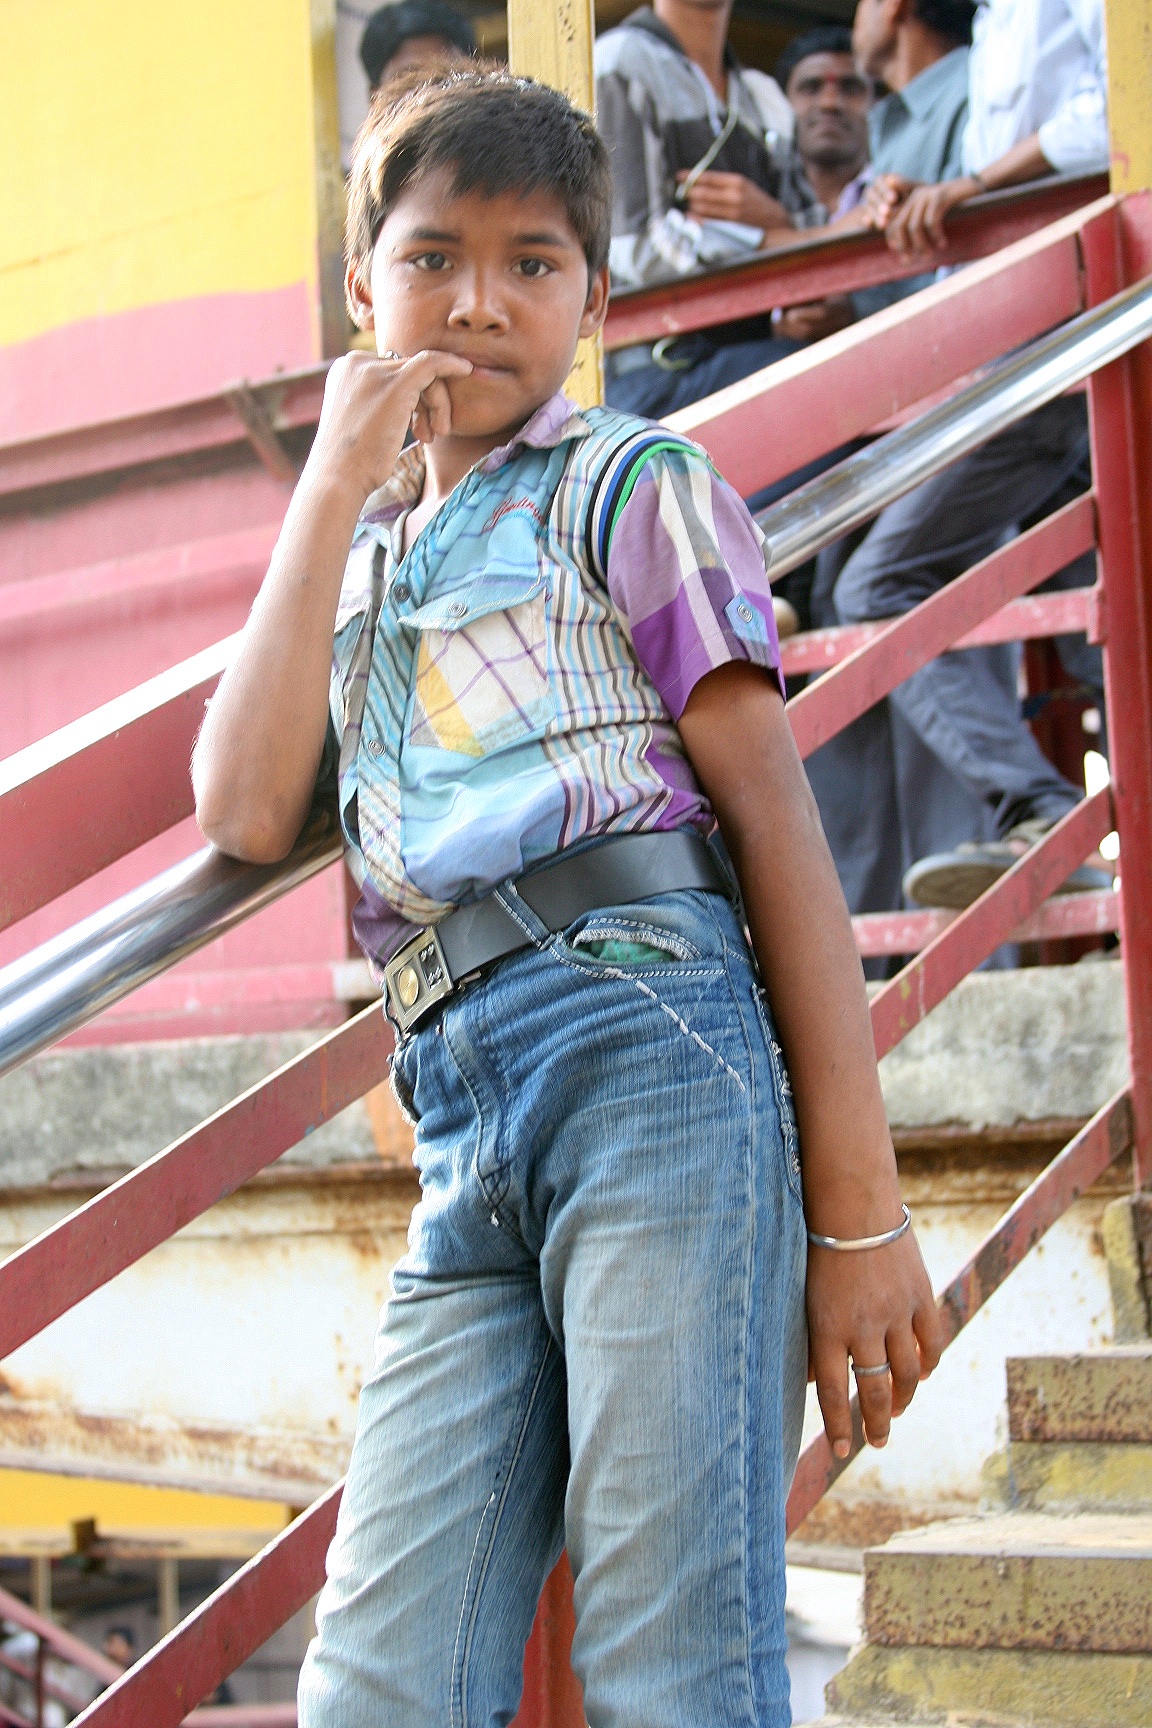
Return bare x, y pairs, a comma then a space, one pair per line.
45, 1279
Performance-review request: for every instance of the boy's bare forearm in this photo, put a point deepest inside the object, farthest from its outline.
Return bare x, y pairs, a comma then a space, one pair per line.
259, 750
803, 941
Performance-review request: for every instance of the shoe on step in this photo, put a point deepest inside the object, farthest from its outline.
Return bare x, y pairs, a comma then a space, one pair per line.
953, 880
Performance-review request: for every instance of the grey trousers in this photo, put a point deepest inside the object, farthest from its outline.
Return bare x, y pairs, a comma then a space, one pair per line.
960, 706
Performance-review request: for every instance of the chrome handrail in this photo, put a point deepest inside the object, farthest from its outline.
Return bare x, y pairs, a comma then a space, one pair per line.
71, 979
831, 505
75, 976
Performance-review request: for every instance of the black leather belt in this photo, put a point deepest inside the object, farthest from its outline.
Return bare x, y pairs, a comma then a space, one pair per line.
612, 873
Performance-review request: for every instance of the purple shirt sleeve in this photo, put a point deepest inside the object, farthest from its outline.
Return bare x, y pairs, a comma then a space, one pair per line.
686, 570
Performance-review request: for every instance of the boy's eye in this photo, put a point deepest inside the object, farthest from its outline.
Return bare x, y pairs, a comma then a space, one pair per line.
430, 261
534, 268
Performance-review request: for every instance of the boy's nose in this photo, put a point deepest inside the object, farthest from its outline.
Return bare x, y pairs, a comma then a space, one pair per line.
478, 306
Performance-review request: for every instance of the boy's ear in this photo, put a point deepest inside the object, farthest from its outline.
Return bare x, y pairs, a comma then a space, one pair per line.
359, 298
596, 307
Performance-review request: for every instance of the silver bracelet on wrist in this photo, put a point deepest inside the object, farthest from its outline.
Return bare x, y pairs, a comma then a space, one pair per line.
856, 1244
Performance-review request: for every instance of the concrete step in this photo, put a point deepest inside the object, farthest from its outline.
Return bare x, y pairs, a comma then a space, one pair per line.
1019, 1581
1102, 1396
1020, 1688
1068, 1476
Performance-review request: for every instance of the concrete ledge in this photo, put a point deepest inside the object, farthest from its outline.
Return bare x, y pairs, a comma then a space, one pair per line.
1022, 1054
1034, 1687
1039, 1045
1094, 1395
1020, 1581
103, 1109
1070, 1476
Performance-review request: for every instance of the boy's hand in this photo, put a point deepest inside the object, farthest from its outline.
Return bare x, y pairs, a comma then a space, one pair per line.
869, 1308
882, 198
369, 406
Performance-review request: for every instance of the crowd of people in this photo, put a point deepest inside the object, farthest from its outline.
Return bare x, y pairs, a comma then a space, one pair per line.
921, 106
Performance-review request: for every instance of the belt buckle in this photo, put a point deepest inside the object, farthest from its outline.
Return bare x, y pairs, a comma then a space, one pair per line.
416, 978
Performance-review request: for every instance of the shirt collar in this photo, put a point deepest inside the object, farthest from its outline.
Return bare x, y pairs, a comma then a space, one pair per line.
924, 91
553, 422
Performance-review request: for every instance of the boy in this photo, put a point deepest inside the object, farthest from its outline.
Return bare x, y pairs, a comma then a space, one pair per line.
554, 663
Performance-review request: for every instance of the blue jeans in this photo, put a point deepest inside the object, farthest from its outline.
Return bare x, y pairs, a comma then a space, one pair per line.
596, 1338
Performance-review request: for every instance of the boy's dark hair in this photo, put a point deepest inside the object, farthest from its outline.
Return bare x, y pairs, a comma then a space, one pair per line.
388, 29
496, 133
828, 39
951, 19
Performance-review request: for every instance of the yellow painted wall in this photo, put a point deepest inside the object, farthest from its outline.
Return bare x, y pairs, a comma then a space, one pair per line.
152, 152
33, 1502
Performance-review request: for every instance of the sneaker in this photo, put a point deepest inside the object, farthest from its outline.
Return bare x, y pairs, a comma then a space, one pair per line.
953, 880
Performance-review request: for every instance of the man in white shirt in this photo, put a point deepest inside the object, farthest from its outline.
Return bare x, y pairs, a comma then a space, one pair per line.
1036, 102
1037, 105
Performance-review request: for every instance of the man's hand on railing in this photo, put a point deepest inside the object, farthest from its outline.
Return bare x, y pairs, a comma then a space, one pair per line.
715, 197
819, 318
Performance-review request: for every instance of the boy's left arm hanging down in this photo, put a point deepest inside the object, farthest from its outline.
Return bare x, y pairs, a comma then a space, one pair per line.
869, 1307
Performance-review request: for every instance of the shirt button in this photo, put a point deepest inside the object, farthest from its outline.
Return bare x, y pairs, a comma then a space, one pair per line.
375, 747
402, 591
744, 611
457, 609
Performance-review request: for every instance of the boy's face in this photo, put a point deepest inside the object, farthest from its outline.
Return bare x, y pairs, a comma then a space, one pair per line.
502, 281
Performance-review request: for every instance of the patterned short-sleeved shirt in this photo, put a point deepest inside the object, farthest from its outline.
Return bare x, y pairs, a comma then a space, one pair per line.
510, 685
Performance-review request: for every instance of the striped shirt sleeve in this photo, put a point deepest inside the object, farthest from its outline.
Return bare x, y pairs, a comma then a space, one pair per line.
686, 570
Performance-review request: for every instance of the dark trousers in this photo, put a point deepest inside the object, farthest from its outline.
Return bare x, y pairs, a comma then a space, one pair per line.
959, 706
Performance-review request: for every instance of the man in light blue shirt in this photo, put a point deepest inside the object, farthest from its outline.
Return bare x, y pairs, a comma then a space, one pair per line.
1036, 95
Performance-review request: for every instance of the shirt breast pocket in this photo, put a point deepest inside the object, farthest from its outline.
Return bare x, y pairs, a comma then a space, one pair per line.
481, 679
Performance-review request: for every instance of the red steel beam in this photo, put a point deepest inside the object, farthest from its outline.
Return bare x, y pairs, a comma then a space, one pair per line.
826, 264
1026, 620
900, 648
769, 424
62, 1644
96, 789
187, 1665
1120, 411
990, 920
1083, 1161
59, 1268
290, 400
1093, 914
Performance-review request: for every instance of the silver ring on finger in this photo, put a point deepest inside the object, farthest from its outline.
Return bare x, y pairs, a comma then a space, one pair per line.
867, 1373
391, 354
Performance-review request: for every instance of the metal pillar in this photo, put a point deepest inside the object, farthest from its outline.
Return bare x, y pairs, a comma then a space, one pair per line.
1121, 409
168, 1594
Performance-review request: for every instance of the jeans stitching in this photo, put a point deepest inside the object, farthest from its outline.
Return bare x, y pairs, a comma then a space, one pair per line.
495, 1184
468, 1615
646, 990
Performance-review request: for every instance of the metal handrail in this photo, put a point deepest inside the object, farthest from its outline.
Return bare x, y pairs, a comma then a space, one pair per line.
71, 979
824, 509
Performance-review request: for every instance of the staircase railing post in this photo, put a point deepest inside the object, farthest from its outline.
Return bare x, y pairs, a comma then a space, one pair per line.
1117, 251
